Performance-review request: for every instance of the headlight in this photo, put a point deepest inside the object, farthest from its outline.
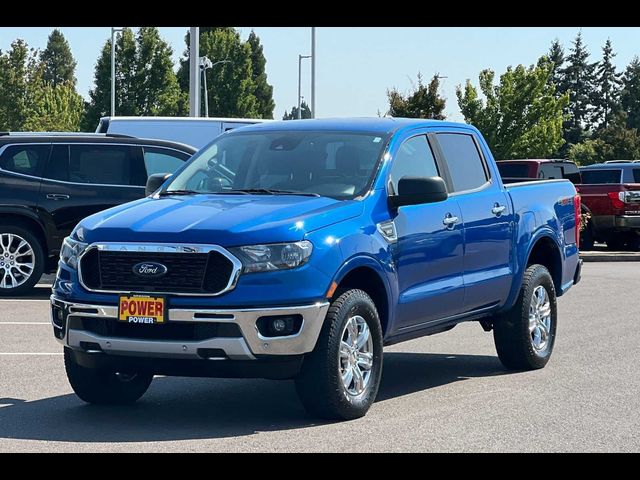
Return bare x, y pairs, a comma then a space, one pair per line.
276, 256
70, 251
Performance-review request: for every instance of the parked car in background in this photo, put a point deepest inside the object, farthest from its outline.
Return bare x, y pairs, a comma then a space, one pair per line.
51, 181
299, 249
611, 191
195, 131
548, 169
538, 169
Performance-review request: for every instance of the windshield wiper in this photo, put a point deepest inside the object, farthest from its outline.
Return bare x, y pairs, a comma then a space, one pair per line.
178, 192
271, 191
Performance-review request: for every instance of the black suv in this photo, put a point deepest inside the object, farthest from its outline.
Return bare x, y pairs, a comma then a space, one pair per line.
49, 182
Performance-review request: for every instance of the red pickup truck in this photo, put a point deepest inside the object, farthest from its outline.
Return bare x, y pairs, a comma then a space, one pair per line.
611, 191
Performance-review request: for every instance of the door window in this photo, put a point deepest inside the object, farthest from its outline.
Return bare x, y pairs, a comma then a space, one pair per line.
414, 159
465, 165
162, 160
25, 159
106, 164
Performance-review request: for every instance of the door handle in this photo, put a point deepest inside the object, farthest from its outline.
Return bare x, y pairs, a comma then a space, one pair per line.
57, 196
449, 221
498, 209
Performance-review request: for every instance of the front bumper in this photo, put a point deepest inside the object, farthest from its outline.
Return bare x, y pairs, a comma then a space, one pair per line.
246, 347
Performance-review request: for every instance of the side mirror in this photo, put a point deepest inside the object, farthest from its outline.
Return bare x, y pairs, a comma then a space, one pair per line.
418, 190
154, 182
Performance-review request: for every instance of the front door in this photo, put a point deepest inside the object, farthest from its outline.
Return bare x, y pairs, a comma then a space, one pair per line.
429, 249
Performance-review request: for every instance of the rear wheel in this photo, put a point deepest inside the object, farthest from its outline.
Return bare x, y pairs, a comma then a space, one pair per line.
586, 238
106, 387
21, 260
524, 336
339, 380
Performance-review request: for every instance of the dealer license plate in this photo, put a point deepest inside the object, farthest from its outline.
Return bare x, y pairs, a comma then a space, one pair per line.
141, 309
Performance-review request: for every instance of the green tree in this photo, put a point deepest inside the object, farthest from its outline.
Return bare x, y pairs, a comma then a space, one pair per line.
230, 86
521, 116
587, 152
608, 84
578, 78
616, 142
423, 101
59, 64
16, 67
54, 108
630, 95
556, 57
305, 112
145, 81
262, 90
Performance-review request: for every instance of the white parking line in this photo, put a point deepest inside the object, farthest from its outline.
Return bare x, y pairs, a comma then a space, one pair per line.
24, 300
31, 353
25, 323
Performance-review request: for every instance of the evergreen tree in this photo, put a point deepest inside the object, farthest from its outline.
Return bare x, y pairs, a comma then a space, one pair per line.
262, 90
305, 112
145, 81
630, 96
423, 102
59, 65
521, 117
578, 79
16, 69
608, 82
556, 57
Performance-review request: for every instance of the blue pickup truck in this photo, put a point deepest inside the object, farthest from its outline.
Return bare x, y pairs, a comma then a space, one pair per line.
299, 249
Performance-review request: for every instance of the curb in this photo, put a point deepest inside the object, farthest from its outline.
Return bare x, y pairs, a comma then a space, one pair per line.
610, 257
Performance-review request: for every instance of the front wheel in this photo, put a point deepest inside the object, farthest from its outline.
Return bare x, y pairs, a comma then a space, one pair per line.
524, 336
105, 387
339, 380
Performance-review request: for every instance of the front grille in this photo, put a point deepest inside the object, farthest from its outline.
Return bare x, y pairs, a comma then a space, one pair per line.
172, 331
200, 273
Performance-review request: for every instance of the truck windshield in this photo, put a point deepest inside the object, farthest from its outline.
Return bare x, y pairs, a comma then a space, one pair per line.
333, 164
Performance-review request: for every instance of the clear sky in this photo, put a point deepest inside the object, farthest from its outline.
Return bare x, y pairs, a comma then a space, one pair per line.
356, 65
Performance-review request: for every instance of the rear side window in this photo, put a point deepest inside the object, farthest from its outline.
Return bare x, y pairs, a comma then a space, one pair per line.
636, 175
601, 176
414, 159
25, 159
464, 161
162, 160
513, 170
550, 172
106, 164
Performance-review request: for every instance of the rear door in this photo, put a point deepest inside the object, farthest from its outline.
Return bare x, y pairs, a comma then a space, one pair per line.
21, 167
82, 179
487, 217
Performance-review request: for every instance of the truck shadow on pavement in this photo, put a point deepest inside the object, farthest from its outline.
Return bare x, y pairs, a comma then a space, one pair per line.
191, 408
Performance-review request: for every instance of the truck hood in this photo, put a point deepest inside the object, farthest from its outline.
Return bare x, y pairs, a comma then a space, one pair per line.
226, 220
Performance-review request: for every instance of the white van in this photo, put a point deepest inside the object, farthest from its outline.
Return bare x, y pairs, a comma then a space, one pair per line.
194, 131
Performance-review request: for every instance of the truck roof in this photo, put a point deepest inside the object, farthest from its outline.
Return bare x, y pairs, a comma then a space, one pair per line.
184, 119
380, 125
537, 160
610, 165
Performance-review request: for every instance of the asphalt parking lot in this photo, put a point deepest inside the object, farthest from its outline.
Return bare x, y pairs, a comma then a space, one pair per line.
447, 392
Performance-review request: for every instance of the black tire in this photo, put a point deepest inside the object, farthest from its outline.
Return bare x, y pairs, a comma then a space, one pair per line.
105, 387
38, 260
513, 339
319, 383
586, 238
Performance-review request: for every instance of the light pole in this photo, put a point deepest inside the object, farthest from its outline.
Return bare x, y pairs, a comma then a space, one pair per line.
300, 57
206, 64
313, 72
113, 69
194, 74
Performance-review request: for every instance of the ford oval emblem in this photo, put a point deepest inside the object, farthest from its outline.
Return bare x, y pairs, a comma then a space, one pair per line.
149, 269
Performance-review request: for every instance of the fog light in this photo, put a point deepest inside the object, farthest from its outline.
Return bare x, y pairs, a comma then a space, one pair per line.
279, 325
59, 314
